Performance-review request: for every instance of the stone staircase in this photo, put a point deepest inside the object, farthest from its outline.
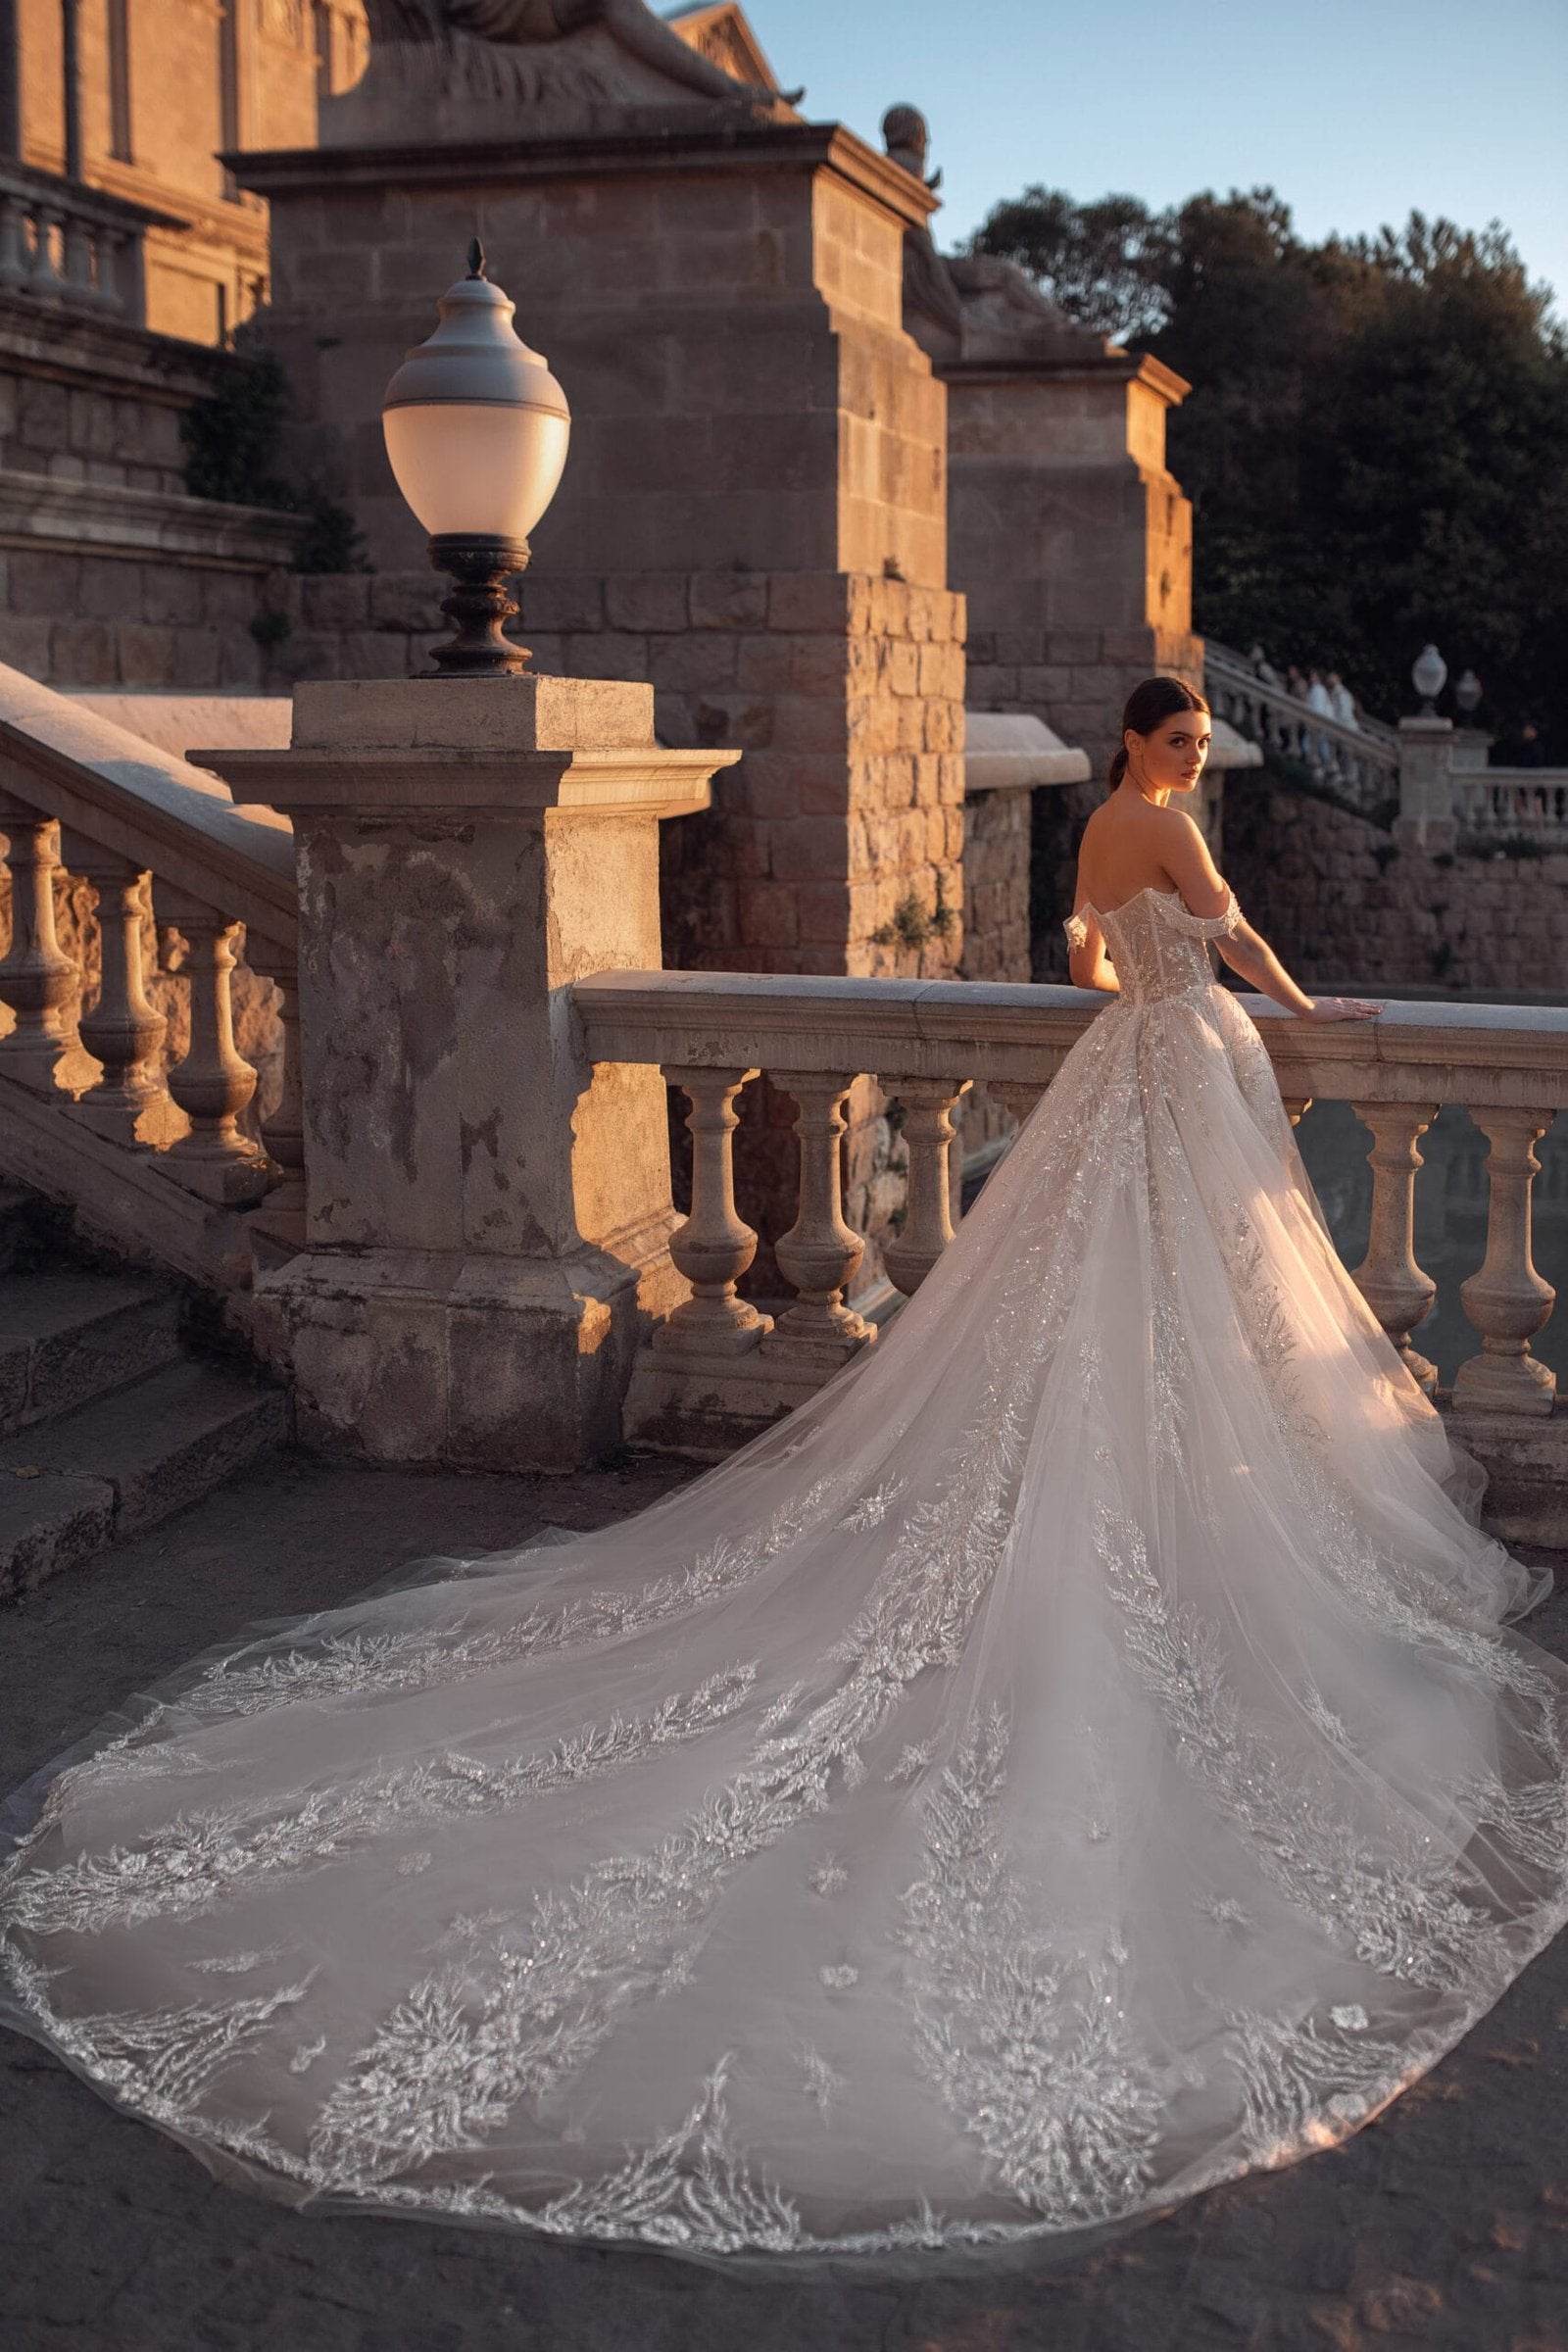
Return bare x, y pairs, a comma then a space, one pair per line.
109, 1419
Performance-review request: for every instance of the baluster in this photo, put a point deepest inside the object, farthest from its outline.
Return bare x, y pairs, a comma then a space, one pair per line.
820, 1254
283, 1128
213, 1083
1017, 1095
78, 258
1396, 1288
43, 278
38, 980
13, 245
1506, 1299
715, 1245
108, 248
130, 1101
928, 1217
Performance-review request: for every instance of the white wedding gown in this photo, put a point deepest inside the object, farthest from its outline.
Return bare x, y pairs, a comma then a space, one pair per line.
1075, 1760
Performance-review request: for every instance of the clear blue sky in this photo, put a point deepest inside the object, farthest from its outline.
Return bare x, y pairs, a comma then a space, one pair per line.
1356, 111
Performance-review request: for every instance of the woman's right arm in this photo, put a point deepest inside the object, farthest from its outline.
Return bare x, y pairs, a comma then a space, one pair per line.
1247, 952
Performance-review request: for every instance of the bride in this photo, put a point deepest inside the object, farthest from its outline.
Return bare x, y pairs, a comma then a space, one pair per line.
1074, 1761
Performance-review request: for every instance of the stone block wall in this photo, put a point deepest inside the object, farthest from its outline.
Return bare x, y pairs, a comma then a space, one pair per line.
104, 618
841, 830
109, 574
83, 432
1345, 907
995, 885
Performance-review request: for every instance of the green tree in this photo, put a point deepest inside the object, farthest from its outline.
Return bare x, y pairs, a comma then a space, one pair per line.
1377, 439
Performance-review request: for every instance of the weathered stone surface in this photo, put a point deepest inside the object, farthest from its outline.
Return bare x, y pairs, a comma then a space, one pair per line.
489, 1217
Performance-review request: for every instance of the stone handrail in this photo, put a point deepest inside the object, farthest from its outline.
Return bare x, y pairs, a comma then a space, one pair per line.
1226, 657
73, 246
91, 1112
1358, 763
926, 1040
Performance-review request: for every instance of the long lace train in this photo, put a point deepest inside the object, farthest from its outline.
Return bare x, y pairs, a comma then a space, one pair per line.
1074, 1761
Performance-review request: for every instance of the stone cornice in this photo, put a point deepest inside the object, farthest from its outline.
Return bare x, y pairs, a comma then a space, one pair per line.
75, 348
659, 140
443, 783
111, 519
1073, 364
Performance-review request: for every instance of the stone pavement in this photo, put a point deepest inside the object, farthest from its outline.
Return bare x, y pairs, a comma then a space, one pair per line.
1443, 2225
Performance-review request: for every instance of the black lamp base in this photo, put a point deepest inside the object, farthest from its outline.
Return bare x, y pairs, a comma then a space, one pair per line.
479, 604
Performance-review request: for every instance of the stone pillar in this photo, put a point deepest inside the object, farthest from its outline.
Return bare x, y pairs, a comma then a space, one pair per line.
1073, 544
488, 1218
1427, 762
753, 517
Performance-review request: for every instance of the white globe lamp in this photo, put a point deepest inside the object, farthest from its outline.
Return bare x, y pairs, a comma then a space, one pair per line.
476, 431
1427, 674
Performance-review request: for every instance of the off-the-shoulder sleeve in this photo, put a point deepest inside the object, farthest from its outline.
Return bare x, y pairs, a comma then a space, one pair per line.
1077, 930
1202, 926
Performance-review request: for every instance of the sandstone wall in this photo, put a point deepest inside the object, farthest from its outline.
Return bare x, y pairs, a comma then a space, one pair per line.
107, 619
1345, 907
845, 693
996, 884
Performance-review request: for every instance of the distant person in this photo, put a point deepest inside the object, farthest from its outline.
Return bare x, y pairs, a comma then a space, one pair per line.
1295, 684
1318, 697
1532, 751
1342, 702
1263, 668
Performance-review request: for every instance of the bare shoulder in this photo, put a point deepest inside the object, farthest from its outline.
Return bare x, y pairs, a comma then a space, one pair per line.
1188, 862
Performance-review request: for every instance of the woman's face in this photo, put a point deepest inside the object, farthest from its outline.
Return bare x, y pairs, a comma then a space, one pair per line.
1171, 758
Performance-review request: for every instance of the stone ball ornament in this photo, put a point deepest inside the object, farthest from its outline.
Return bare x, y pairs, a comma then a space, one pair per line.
476, 433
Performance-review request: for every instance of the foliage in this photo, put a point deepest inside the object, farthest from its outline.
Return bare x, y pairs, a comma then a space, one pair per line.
913, 924
1377, 440
233, 437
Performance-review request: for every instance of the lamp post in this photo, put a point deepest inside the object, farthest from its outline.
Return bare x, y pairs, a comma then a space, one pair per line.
476, 431
1467, 694
1428, 672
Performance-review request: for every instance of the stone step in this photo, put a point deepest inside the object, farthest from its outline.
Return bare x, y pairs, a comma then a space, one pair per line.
66, 1336
19, 1212
122, 1461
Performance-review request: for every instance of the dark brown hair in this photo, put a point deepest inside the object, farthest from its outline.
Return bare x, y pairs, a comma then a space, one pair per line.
1148, 707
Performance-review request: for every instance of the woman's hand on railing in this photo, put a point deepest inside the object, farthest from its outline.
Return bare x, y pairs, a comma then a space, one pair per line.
1323, 1010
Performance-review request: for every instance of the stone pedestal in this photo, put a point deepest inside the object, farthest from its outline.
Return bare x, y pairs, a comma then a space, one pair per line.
1427, 763
488, 1218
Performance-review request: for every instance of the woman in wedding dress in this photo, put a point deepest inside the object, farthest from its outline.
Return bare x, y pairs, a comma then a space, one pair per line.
1076, 1759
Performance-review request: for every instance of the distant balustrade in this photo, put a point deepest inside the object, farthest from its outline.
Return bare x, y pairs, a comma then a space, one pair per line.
71, 247
1359, 764
1497, 805
925, 1041
1422, 769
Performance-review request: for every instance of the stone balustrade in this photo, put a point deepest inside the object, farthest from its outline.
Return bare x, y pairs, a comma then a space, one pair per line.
718, 1369
1493, 805
130, 872
72, 246
487, 1265
1359, 764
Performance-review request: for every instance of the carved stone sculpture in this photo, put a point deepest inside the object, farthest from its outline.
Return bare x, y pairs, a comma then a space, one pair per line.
529, 23
956, 303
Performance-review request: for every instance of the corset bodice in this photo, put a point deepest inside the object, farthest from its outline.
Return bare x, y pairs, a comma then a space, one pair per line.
1160, 948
